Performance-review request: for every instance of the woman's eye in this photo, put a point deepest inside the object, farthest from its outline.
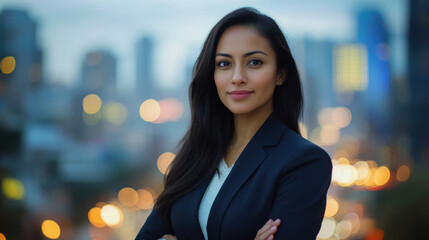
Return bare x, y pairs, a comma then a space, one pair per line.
223, 64
255, 62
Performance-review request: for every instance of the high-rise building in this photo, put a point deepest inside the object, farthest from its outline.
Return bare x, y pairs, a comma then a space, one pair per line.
145, 86
350, 82
314, 60
418, 74
99, 73
372, 33
21, 60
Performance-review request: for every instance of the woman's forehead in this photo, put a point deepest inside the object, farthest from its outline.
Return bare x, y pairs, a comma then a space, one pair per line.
242, 39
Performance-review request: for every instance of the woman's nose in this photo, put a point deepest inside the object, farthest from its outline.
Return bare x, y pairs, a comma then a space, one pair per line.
239, 77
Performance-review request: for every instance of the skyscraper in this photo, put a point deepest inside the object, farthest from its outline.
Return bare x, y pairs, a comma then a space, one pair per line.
418, 73
372, 33
99, 73
144, 81
18, 44
316, 57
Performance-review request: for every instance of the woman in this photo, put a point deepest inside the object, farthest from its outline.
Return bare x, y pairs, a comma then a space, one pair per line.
243, 163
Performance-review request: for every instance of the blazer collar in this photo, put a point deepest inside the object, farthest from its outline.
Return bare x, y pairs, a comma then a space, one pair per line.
253, 155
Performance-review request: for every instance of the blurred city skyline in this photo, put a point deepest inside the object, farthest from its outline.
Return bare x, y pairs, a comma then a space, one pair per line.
68, 30
83, 129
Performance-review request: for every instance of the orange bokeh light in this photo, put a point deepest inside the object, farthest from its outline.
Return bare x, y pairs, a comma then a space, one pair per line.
94, 216
403, 173
164, 160
331, 207
51, 229
381, 176
128, 197
145, 199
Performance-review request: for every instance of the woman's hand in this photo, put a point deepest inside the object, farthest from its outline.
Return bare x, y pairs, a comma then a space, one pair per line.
268, 230
169, 237
265, 233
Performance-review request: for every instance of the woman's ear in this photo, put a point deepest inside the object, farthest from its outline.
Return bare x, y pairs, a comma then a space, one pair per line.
281, 77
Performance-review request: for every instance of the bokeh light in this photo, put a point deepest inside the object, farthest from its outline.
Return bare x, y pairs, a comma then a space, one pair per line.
343, 173
150, 110
403, 173
2, 237
327, 228
112, 215
178, 107
13, 188
363, 174
171, 110
370, 183
325, 116
128, 197
7, 64
353, 218
164, 160
145, 199
331, 207
329, 135
94, 217
341, 117
343, 229
51, 229
115, 113
91, 103
381, 176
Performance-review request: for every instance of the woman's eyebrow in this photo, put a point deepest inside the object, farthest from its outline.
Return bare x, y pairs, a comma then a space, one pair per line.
254, 52
244, 55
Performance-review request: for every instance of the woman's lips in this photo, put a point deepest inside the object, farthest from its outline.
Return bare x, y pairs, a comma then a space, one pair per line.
237, 95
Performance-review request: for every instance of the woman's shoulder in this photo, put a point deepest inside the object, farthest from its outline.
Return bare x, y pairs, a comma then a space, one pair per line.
300, 148
294, 139
287, 143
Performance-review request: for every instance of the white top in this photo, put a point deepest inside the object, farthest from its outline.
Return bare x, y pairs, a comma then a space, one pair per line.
210, 195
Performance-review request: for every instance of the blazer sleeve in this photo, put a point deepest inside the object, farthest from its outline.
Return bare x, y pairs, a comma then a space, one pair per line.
154, 227
300, 199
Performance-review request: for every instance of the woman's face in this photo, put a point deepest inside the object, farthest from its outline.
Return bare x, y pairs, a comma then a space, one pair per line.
245, 72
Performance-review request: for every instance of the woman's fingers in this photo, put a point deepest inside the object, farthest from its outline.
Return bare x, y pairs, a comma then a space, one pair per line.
268, 234
268, 230
169, 237
264, 228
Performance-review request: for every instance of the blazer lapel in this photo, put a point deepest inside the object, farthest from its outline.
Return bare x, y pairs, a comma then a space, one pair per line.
186, 213
252, 156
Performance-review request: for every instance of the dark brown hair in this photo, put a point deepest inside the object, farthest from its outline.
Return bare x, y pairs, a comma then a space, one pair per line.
212, 123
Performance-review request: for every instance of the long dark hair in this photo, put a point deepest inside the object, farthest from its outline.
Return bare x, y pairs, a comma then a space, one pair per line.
212, 124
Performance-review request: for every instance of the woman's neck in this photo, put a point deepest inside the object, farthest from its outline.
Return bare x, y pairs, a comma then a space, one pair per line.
246, 126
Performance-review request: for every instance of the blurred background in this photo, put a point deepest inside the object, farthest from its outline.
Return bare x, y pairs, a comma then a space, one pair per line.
93, 102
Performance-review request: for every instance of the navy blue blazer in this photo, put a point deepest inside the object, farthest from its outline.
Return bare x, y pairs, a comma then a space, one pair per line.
279, 174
